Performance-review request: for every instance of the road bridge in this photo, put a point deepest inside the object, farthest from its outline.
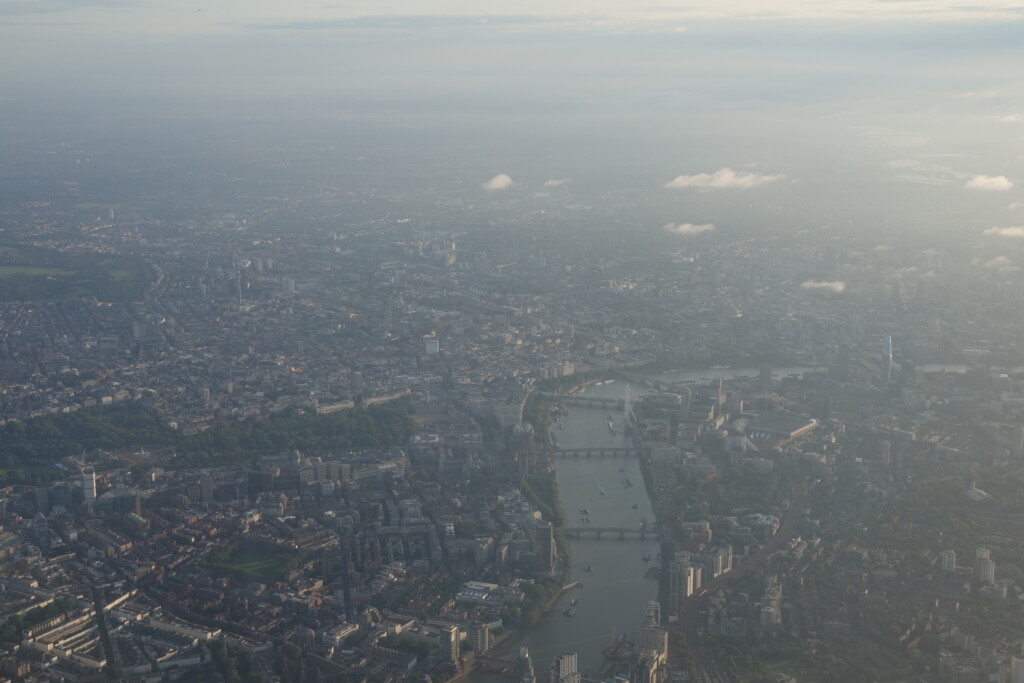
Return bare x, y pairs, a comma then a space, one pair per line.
601, 531
643, 381
597, 452
586, 401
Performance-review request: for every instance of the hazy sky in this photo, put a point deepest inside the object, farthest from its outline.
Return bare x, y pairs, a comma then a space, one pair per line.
893, 108
173, 17
233, 48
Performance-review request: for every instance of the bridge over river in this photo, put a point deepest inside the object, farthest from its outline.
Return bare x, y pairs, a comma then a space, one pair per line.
586, 401
598, 452
600, 531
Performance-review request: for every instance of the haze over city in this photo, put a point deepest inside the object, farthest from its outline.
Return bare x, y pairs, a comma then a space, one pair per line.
568, 341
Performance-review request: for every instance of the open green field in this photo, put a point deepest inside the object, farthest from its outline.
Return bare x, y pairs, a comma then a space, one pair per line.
28, 474
255, 559
255, 562
34, 274
11, 271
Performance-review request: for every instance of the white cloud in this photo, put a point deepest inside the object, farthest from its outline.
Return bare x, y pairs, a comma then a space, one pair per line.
555, 182
999, 262
1015, 205
722, 179
1011, 118
1016, 231
815, 285
689, 228
998, 183
498, 182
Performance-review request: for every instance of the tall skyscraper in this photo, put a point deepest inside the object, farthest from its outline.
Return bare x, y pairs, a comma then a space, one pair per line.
980, 555
479, 638
651, 648
887, 359
563, 669
89, 484
948, 560
206, 487
1017, 669
652, 614
523, 671
449, 641
42, 496
987, 572
545, 546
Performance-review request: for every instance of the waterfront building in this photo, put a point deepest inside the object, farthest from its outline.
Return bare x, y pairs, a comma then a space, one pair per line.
479, 638
563, 669
523, 670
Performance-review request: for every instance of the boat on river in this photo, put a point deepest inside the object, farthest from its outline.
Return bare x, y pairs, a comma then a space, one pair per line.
570, 611
587, 568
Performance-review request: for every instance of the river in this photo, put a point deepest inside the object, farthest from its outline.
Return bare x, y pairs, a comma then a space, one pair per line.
708, 374
615, 593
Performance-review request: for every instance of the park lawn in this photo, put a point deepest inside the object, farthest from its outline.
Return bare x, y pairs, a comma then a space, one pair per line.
255, 559
27, 473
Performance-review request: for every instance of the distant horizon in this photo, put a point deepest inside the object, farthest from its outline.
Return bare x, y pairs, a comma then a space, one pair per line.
888, 118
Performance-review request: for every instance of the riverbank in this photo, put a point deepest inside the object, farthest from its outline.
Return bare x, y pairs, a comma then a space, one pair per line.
617, 588
580, 387
659, 368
